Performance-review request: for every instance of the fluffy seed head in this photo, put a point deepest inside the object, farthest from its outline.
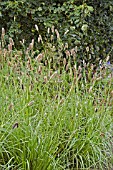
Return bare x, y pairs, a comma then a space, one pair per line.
57, 33
3, 31
36, 27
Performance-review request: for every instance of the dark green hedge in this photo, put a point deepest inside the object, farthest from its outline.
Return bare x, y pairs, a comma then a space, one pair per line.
89, 23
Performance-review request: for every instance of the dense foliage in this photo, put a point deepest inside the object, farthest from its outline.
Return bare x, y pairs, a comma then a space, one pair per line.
86, 24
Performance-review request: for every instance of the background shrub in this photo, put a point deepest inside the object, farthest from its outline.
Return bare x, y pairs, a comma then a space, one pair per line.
85, 24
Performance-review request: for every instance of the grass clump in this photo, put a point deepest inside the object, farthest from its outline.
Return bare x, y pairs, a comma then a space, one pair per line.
53, 115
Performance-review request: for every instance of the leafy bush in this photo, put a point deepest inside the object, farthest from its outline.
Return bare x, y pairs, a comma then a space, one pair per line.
88, 25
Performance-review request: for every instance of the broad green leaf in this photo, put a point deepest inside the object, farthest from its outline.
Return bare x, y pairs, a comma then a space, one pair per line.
90, 8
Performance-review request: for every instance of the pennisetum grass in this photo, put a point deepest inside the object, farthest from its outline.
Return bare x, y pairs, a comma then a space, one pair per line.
54, 114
